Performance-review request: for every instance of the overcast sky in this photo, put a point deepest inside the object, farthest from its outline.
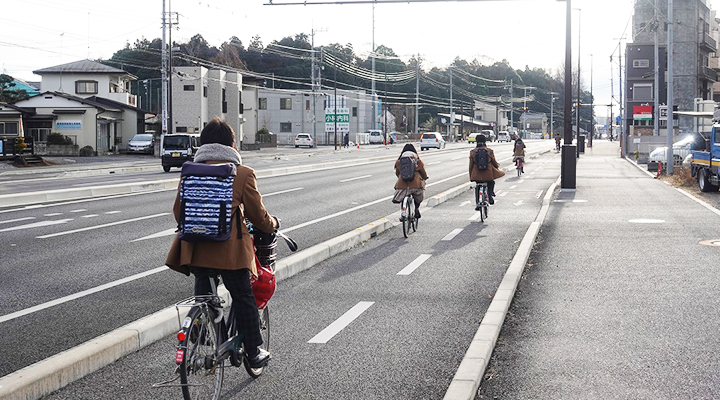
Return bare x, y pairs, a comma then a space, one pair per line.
36, 34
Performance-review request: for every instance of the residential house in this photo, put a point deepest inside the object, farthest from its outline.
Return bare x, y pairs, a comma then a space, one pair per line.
533, 122
496, 115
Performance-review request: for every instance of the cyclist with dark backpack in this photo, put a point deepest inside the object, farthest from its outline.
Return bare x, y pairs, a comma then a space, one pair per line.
411, 174
484, 167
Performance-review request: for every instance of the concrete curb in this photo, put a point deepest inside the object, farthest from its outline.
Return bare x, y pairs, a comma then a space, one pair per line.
469, 375
53, 373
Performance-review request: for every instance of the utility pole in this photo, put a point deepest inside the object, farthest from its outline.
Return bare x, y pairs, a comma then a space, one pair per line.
552, 104
372, 55
451, 129
592, 106
417, 93
312, 81
335, 108
612, 97
164, 104
670, 125
623, 146
170, 62
577, 110
512, 112
656, 110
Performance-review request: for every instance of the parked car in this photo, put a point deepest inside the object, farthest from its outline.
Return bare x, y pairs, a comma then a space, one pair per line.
489, 134
142, 143
681, 149
376, 136
432, 140
503, 136
304, 139
178, 148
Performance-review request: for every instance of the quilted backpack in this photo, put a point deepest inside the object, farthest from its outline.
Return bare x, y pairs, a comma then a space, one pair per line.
206, 193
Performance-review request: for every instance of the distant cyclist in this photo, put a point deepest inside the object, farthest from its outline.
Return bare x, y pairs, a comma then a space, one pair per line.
557, 141
519, 152
415, 184
492, 169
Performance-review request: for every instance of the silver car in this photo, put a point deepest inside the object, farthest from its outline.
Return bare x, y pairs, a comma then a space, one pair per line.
142, 143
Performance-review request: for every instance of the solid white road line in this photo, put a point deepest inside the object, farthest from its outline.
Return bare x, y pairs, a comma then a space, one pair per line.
101, 226
415, 264
355, 178
166, 232
282, 191
340, 323
37, 225
16, 220
17, 314
451, 235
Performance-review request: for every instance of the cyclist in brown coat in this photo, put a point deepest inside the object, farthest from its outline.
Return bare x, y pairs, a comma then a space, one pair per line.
488, 175
417, 185
233, 259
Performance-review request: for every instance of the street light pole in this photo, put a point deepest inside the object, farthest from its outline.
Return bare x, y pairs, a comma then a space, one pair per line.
670, 125
569, 160
577, 110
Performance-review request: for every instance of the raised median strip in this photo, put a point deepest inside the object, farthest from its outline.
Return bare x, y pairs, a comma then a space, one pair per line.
46, 376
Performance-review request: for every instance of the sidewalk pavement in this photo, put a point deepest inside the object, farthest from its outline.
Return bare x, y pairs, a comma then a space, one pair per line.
619, 298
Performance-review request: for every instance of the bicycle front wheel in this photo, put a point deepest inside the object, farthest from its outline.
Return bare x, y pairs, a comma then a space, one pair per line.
201, 375
265, 334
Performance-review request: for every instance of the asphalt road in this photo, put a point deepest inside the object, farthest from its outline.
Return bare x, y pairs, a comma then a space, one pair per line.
415, 328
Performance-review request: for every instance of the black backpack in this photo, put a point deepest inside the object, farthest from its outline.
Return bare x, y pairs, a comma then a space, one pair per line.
481, 159
407, 168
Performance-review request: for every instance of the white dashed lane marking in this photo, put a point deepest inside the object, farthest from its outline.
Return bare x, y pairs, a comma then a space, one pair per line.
78, 210
16, 220
37, 225
333, 329
112, 212
355, 178
90, 216
53, 214
451, 235
101, 226
415, 264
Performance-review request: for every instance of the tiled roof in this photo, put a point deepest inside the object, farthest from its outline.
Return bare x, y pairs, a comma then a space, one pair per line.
87, 66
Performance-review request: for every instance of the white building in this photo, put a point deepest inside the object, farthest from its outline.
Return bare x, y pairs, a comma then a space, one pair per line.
199, 94
288, 112
497, 115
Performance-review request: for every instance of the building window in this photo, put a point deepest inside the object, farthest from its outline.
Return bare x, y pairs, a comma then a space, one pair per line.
262, 103
204, 91
86, 87
286, 127
286, 104
8, 128
641, 63
354, 111
307, 105
189, 88
181, 129
642, 91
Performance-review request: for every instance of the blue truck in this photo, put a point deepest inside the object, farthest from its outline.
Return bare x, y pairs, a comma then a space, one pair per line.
704, 162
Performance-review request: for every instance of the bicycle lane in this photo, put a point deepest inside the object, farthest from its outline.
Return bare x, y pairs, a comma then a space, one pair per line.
413, 329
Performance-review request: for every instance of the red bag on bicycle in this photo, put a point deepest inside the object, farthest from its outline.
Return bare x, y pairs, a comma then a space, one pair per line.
263, 285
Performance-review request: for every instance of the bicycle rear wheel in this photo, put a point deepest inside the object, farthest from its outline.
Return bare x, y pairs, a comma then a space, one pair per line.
408, 207
201, 375
265, 333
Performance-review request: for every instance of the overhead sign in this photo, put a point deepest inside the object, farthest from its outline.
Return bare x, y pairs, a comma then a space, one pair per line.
663, 113
343, 119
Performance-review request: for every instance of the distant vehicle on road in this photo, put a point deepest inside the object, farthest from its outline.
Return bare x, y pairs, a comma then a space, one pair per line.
142, 143
503, 136
681, 149
178, 148
304, 139
472, 138
376, 136
432, 140
489, 134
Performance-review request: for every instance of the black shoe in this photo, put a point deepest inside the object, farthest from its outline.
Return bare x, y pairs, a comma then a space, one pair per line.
477, 207
260, 359
417, 213
491, 200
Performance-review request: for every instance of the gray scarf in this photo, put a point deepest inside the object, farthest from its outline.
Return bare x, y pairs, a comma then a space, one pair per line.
217, 152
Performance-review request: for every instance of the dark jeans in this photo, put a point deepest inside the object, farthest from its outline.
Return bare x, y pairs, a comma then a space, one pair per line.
237, 283
490, 193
